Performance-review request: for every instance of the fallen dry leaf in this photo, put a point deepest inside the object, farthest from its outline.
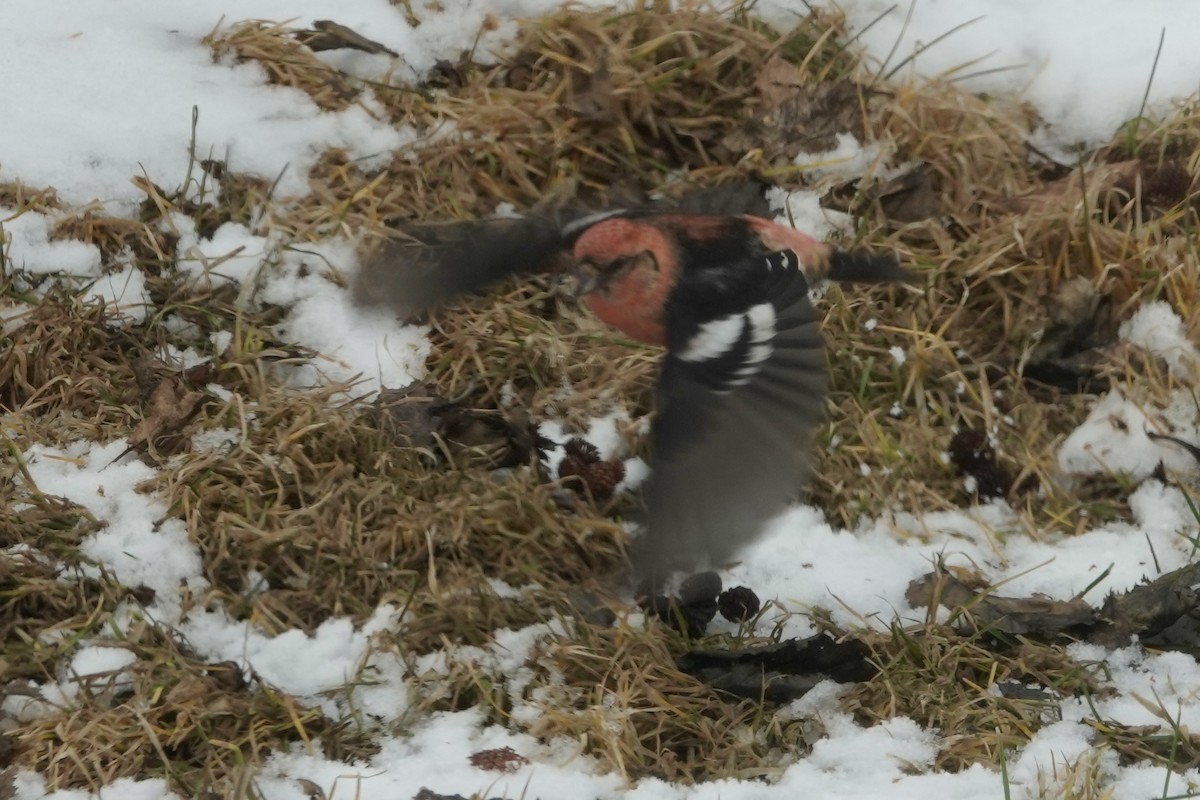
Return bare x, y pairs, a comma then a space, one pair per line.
171, 405
1038, 615
330, 35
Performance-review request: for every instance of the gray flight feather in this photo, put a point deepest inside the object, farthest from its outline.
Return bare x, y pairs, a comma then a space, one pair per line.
430, 263
726, 462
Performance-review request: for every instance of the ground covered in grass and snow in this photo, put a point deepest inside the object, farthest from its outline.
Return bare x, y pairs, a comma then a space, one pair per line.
257, 541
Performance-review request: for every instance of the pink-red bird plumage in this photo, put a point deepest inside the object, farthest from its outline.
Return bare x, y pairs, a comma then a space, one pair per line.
743, 378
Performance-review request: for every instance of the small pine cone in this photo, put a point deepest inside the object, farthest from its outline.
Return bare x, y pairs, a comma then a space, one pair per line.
738, 604
582, 449
973, 455
690, 620
499, 759
582, 461
571, 467
602, 478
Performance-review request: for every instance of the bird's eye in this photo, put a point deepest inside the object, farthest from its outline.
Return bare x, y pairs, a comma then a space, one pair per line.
622, 263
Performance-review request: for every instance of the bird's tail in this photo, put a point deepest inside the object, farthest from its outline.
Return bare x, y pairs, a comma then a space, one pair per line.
860, 266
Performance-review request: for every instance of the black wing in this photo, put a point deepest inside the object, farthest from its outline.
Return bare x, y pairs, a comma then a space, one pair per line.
428, 264
734, 429
739, 197
425, 264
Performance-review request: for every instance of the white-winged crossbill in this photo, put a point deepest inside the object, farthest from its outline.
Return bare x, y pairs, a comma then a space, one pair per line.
743, 380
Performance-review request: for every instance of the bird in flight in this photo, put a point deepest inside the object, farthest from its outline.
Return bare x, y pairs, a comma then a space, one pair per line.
743, 378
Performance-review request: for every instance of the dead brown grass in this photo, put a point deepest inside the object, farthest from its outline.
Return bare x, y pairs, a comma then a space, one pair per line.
639, 716
275, 48
341, 510
946, 679
347, 518
190, 721
591, 105
18, 196
64, 360
1006, 237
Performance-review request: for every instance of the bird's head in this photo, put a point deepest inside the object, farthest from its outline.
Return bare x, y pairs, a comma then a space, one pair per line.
626, 269
615, 251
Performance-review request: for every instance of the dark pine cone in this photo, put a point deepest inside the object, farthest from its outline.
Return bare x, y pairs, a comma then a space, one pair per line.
599, 478
972, 454
582, 449
690, 620
738, 604
499, 759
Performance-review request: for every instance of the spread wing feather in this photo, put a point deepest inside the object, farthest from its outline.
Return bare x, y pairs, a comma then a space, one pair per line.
431, 263
728, 461
425, 264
